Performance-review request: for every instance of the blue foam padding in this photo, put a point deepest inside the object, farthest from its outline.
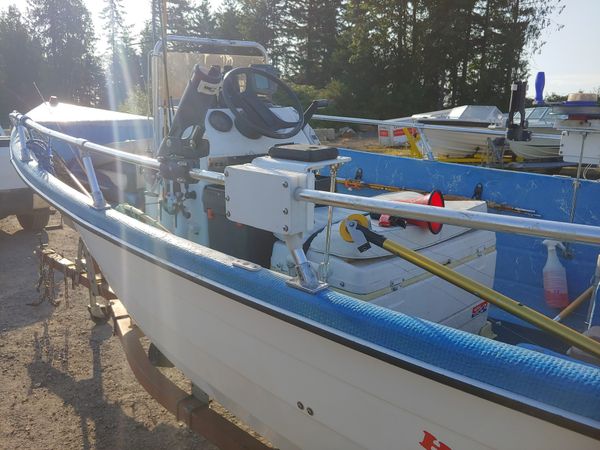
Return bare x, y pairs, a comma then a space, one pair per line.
546, 351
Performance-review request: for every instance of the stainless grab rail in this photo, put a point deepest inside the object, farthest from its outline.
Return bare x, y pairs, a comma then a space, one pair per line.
568, 232
561, 231
139, 160
415, 124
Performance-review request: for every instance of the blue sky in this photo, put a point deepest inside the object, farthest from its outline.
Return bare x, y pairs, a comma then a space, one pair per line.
570, 56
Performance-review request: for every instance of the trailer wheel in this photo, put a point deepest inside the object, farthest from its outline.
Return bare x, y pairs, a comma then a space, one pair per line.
35, 220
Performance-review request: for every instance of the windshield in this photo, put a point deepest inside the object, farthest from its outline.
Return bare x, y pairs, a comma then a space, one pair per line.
181, 63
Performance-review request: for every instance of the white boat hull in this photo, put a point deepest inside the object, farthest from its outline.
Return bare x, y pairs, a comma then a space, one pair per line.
457, 144
260, 367
536, 148
9, 179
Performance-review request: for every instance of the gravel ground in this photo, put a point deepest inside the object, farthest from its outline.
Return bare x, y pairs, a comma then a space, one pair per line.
64, 381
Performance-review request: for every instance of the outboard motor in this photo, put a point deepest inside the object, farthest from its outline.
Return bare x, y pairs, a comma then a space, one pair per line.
185, 144
517, 132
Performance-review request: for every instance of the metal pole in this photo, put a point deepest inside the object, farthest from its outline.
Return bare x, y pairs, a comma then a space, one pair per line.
25, 156
120, 155
325, 268
576, 181
540, 228
509, 305
560, 231
585, 295
97, 196
305, 272
207, 175
167, 98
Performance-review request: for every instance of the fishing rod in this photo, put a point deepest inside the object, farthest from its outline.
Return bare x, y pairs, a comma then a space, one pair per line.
359, 184
167, 95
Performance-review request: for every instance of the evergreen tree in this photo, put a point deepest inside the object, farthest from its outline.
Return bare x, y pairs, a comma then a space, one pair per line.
261, 21
20, 65
228, 18
312, 31
123, 71
179, 17
202, 21
422, 55
71, 71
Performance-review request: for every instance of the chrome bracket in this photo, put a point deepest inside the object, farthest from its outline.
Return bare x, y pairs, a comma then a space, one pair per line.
306, 280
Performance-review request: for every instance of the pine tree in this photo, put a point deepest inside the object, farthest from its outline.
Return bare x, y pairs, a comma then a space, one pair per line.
123, 68
202, 22
72, 71
20, 65
228, 18
312, 32
261, 21
179, 13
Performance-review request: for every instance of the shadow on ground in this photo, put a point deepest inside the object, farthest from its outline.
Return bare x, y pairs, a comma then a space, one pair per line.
18, 280
103, 425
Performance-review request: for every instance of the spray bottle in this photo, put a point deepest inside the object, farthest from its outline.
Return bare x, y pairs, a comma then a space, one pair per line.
555, 277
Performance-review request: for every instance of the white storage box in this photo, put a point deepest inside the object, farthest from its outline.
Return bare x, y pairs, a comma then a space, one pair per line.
386, 280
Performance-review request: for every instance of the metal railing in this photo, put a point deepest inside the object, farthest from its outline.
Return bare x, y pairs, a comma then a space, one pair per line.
562, 231
83, 144
414, 123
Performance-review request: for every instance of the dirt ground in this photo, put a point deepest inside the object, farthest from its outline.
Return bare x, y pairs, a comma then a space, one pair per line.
64, 381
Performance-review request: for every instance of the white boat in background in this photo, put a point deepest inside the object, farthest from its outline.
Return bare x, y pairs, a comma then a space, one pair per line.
475, 127
450, 143
541, 121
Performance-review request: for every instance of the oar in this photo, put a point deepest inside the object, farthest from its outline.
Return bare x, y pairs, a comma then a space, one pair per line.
574, 338
574, 304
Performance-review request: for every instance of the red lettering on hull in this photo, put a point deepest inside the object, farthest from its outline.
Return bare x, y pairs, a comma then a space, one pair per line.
430, 442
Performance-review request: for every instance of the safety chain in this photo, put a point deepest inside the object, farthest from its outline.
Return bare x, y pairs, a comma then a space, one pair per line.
66, 291
46, 286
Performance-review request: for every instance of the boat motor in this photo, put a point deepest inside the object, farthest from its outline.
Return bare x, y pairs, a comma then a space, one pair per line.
514, 131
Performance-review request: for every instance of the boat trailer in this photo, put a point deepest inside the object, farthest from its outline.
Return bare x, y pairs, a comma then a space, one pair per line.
193, 410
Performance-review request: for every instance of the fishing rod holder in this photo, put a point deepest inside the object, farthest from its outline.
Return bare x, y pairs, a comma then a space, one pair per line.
262, 195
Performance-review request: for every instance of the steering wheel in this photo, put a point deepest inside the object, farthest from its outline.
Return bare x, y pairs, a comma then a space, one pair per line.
255, 115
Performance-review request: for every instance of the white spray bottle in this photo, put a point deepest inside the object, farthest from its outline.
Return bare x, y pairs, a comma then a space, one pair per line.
555, 277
